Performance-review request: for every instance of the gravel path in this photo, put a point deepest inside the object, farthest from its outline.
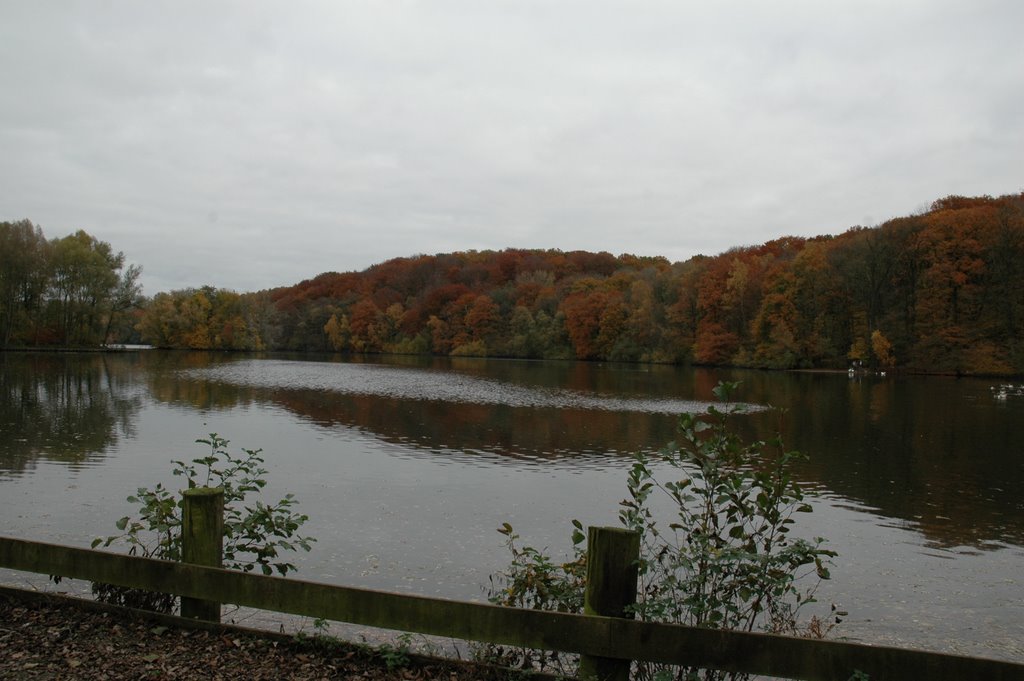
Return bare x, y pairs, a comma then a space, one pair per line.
46, 637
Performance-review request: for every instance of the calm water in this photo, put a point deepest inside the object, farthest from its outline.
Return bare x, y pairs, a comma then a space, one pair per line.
406, 467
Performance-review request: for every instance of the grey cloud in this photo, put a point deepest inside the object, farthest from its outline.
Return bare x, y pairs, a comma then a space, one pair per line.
251, 145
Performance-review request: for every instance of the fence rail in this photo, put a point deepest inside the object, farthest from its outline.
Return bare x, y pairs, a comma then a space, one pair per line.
606, 637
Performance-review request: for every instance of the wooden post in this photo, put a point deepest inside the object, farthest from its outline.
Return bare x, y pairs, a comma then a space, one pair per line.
202, 542
612, 572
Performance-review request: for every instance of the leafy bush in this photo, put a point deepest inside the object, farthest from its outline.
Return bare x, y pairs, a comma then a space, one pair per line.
725, 560
254, 535
533, 580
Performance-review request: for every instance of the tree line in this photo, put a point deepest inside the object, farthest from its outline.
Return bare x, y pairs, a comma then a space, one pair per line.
73, 291
941, 291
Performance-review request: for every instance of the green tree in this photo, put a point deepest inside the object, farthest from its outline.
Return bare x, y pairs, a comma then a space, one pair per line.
126, 296
24, 257
523, 339
87, 288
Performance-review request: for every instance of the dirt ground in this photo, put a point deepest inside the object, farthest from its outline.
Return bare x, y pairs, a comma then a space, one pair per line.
44, 637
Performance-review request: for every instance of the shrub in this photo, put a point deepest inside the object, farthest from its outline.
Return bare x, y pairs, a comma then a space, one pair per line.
254, 533
726, 558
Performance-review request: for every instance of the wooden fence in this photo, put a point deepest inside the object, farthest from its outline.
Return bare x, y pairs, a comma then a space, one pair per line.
601, 639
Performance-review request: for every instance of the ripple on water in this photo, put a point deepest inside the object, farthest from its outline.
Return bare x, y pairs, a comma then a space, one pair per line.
425, 384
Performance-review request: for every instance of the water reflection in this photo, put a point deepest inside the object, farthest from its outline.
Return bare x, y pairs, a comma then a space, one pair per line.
63, 408
936, 455
435, 410
163, 375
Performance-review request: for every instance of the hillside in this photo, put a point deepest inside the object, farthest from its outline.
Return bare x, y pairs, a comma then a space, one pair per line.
939, 291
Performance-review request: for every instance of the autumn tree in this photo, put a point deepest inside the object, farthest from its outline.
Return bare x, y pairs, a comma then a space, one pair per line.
207, 318
583, 312
338, 332
881, 348
943, 289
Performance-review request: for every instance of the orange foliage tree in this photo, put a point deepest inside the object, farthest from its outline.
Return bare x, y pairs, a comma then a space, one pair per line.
943, 289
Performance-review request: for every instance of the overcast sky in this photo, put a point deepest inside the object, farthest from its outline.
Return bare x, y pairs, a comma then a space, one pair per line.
249, 145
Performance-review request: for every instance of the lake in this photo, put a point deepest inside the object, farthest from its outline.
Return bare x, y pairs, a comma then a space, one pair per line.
407, 465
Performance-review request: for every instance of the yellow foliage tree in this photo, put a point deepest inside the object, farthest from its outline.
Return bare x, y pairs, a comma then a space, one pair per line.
337, 332
882, 349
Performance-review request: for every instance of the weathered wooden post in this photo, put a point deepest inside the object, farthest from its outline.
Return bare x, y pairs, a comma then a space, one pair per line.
202, 543
612, 572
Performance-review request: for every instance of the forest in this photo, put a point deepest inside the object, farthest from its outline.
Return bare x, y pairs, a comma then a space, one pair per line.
69, 292
938, 291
